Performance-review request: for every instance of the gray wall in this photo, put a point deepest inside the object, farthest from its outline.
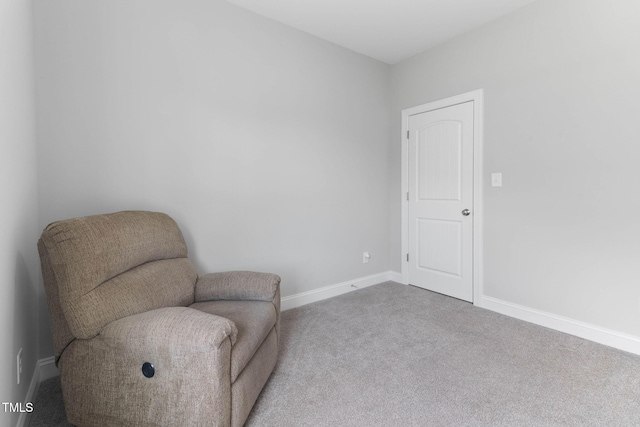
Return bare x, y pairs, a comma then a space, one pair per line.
561, 82
19, 286
267, 145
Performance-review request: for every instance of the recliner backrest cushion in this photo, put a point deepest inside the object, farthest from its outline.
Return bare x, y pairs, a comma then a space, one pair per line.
106, 267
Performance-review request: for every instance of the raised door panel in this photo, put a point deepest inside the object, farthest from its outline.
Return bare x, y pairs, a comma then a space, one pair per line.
439, 161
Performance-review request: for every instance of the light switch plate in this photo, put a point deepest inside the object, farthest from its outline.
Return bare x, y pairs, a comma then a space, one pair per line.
496, 179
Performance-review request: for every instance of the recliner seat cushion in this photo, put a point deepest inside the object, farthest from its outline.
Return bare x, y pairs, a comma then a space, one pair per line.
253, 319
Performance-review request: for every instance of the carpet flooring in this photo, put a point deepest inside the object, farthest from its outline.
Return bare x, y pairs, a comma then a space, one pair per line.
396, 355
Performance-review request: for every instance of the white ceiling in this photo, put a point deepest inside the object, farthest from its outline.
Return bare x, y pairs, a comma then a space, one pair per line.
387, 30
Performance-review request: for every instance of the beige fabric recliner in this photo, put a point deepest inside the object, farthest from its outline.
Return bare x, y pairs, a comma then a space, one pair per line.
140, 338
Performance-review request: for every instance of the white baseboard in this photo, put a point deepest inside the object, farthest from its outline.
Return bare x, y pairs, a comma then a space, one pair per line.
611, 338
303, 298
45, 369
394, 276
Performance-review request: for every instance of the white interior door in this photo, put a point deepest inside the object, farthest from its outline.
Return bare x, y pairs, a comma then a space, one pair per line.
440, 205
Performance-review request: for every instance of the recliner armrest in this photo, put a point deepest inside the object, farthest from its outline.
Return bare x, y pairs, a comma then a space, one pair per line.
171, 328
165, 367
238, 285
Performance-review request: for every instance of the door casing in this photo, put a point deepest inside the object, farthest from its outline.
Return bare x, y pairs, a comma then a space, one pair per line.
477, 98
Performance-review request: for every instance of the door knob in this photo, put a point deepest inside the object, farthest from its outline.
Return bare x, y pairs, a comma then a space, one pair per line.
466, 212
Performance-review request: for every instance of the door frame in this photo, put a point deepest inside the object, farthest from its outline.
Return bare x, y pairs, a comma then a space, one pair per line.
478, 116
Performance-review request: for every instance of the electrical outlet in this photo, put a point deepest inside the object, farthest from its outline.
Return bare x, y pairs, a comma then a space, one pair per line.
496, 179
365, 257
19, 365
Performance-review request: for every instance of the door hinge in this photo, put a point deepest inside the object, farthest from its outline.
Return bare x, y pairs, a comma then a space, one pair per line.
407, 257
407, 134
407, 196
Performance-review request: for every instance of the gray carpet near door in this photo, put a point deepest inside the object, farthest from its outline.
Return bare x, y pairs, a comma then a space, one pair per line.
395, 355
